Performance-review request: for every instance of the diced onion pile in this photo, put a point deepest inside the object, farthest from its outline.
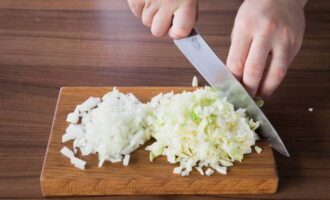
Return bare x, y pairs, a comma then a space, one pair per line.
199, 130
112, 127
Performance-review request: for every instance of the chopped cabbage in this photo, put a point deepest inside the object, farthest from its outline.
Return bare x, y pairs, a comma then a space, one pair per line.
209, 172
259, 101
194, 82
201, 129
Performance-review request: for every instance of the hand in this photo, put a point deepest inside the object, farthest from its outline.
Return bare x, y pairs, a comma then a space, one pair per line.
264, 27
174, 17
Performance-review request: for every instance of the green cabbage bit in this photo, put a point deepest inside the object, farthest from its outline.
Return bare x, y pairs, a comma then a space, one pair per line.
199, 129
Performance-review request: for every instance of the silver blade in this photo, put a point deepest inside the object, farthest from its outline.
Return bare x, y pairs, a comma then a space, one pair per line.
218, 76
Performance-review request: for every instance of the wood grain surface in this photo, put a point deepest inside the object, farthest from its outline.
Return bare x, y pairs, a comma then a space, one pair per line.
47, 44
255, 175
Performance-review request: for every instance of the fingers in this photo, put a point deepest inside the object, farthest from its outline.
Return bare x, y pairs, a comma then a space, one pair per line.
177, 18
136, 7
161, 22
148, 13
255, 64
183, 22
276, 72
238, 53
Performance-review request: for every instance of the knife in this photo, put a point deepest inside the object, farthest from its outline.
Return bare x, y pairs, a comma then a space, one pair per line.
201, 56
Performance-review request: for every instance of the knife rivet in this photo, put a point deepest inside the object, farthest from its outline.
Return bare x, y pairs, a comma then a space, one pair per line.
196, 44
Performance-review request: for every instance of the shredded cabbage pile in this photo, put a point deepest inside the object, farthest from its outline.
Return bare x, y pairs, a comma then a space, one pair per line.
199, 129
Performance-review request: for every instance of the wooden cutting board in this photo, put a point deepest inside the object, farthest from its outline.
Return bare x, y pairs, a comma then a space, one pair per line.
255, 175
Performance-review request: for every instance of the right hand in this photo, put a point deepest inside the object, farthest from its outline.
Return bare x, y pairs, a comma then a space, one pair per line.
173, 17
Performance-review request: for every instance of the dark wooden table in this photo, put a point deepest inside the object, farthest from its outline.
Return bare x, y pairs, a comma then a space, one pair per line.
46, 44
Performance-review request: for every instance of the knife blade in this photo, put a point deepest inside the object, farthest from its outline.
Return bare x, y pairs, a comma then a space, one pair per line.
201, 56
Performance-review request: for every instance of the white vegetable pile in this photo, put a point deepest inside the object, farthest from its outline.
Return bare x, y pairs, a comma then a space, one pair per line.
197, 129
112, 127
200, 129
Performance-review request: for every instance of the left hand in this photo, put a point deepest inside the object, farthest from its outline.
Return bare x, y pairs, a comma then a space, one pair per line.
173, 17
264, 27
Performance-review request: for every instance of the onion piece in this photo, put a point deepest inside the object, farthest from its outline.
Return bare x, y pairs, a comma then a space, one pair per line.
73, 117
90, 103
79, 163
126, 160
67, 152
72, 132
258, 149
209, 172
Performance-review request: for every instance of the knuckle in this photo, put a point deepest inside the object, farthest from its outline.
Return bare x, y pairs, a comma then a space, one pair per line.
268, 26
279, 73
236, 65
256, 70
243, 24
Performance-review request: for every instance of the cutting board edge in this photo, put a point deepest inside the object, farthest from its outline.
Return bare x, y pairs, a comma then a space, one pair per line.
42, 179
48, 191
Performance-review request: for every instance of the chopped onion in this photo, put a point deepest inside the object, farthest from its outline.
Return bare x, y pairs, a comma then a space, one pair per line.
80, 167
72, 132
67, 152
77, 162
209, 172
126, 160
258, 149
74, 160
113, 127
73, 117
90, 103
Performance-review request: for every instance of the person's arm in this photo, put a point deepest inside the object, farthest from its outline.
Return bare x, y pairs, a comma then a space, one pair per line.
264, 27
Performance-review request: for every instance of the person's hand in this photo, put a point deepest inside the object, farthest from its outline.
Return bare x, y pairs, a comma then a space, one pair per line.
264, 27
174, 17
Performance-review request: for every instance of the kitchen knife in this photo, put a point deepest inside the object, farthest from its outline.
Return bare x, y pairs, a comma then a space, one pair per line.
218, 76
